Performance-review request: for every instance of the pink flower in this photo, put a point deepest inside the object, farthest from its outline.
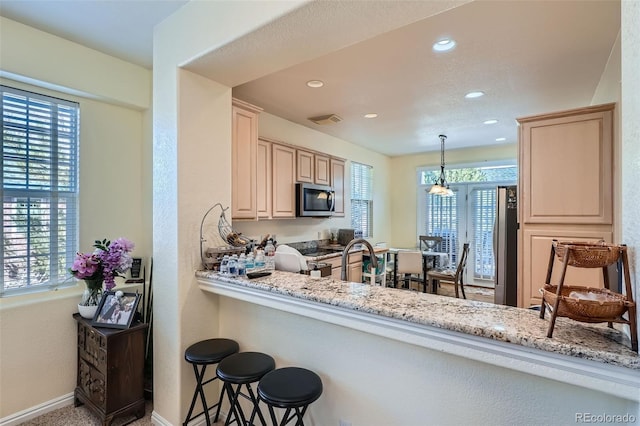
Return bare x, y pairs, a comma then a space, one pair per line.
108, 261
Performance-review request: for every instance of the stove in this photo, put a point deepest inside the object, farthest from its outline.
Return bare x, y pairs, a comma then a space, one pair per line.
315, 252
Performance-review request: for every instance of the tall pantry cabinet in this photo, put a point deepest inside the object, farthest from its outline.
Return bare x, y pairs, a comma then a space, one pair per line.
566, 192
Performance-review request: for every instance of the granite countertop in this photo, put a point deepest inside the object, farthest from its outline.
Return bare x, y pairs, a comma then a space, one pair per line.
519, 326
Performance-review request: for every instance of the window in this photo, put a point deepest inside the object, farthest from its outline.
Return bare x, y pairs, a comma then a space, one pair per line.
39, 190
362, 198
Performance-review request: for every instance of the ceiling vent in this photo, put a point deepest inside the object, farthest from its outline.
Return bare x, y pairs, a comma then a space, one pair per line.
326, 119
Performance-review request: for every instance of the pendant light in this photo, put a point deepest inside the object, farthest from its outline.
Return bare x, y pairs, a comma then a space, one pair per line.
441, 187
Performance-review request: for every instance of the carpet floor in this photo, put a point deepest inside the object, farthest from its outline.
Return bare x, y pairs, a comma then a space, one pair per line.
82, 416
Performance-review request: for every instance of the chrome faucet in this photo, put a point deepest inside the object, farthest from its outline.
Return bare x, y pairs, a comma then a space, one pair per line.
345, 253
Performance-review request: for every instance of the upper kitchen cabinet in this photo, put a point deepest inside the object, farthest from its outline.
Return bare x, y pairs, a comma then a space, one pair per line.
566, 166
283, 186
312, 167
244, 160
337, 182
322, 171
263, 179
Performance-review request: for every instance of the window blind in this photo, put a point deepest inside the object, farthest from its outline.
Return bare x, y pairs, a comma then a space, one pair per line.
362, 198
39, 189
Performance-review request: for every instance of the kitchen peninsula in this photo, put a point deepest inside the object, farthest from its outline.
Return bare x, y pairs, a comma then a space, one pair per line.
589, 356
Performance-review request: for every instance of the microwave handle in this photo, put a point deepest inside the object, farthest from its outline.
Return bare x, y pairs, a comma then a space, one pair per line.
331, 200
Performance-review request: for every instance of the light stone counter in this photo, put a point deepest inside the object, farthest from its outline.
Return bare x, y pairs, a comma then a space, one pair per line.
600, 354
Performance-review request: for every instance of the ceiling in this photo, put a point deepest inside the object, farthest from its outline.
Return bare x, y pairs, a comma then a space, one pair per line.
529, 57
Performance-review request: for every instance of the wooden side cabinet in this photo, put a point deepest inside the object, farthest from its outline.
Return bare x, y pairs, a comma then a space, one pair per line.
110, 377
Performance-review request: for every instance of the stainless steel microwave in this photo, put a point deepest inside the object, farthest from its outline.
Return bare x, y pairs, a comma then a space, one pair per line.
314, 200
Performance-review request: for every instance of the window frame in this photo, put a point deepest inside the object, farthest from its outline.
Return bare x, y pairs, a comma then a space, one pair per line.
362, 198
40, 163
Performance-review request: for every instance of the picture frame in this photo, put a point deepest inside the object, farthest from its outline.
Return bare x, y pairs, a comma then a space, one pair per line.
116, 312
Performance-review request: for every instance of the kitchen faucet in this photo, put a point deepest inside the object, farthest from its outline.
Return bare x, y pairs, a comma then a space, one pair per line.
345, 253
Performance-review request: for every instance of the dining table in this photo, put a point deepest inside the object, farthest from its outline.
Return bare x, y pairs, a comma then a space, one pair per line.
440, 258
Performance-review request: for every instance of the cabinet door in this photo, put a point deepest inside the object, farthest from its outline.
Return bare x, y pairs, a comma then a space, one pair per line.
283, 172
354, 272
263, 179
243, 161
304, 169
322, 171
566, 167
537, 242
337, 182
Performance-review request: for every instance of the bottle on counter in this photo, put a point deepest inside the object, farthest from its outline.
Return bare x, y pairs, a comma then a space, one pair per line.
250, 264
260, 261
270, 253
242, 265
233, 265
224, 265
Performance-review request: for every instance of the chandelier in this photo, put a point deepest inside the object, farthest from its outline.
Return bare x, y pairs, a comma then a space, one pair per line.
441, 187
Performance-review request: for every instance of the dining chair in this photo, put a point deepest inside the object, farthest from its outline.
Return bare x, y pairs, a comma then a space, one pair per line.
456, 277
409, 265
430, 243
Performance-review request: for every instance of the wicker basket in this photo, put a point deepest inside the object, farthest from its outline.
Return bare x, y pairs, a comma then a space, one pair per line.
588, 254
612, 307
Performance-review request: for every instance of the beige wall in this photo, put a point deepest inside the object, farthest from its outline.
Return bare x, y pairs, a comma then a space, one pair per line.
404, 182
37, 331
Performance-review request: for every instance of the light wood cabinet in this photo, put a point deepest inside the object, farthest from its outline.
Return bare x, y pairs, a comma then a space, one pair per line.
337, 168
305, 166
566, 187
322, 172
283, 184
263, 179
537, 242
243, 160
566, 166
313, 167
354, 267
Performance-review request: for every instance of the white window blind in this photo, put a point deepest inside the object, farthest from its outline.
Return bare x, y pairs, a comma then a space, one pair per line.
483, 211
39, 190
362, 198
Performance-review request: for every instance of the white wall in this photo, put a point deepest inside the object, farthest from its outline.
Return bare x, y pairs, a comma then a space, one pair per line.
630, 111
37, 332
304, 229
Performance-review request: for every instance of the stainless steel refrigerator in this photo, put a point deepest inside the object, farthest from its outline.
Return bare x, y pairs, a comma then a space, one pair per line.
505, 246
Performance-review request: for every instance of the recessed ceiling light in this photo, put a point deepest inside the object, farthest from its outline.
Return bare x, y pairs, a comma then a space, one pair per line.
315, 83
501, 139
444, 45
371, 115
492, 121
472, 95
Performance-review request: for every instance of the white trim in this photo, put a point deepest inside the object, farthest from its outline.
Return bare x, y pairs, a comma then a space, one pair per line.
609, 379
37, 411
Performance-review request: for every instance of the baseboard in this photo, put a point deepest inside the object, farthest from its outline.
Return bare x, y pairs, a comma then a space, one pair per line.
33, 412
158, 420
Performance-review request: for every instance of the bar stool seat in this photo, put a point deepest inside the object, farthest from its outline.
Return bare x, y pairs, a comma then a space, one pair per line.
241, 369
292, 388
200, 355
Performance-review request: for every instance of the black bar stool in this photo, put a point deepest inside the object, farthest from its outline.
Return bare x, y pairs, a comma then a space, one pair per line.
200, 355
240, 369
293, 388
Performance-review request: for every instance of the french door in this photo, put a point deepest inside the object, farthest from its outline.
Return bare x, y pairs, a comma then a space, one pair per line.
467, 216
